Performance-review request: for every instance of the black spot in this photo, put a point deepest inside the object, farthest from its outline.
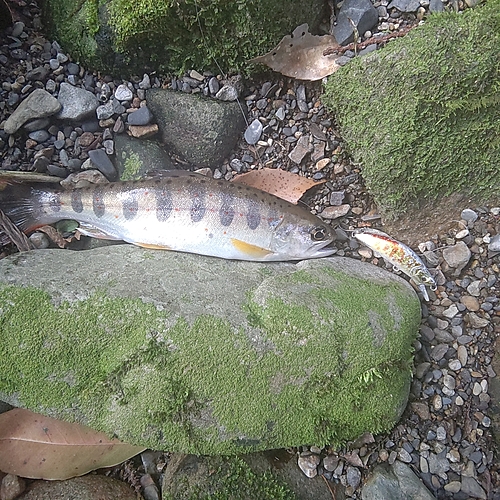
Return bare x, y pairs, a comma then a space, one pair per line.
98, 202
253, 214
164, 204
198, 207
130, 206
55, 202
226, 211
76, 201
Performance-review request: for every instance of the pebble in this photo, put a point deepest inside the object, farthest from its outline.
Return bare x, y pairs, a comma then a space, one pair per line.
123, 93
102, 162
335, 212
227, 93
77, 103
11, 487
308, 464
142, 116
253, 132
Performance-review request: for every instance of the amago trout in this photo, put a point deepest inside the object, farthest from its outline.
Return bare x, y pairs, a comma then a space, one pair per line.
183, 211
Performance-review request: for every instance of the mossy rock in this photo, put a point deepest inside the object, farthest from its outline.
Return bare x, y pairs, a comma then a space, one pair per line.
422, 115
201, 355
127, 36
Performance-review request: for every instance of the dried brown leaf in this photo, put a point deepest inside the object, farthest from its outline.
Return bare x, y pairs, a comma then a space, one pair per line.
283, 184
39, 447
300, 55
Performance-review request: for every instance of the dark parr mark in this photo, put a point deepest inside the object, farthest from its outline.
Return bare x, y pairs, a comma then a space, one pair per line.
253, 214
76, 201
55, 202
198, 207
163, 204
98, 202
226, 211
130, 205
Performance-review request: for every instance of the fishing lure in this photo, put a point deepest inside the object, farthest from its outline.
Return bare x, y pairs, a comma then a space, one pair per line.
399, 255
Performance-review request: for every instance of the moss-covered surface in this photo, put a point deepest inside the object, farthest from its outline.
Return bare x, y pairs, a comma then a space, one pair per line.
221, 478
175, 35
322, 357
423, 114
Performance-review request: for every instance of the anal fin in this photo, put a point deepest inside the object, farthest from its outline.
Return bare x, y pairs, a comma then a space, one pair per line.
251, 250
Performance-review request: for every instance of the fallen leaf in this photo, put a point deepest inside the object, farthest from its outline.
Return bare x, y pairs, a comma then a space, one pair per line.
39, 447
283, 184
300, 55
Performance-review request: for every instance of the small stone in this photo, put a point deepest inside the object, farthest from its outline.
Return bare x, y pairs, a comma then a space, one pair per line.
335, 212
477, 322
86, 139
213, 85
453, 486
457, 256
451, 312
142, 116
494, 244
321, 164
39, 104
57, 171
39, 135
472, 488
404, 456
105, 111
455, 365
73, 69
102, 162
462, 355
471, 303
77, 103
353, 476
462, 234
227, 93
308, 464
17, 29
469, 215
301, 149
330, 462
12, 486
123, 93
440, 433
143, 132
253, 132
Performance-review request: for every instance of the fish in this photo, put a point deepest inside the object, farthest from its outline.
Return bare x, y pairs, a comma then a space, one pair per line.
179, 211
401, 256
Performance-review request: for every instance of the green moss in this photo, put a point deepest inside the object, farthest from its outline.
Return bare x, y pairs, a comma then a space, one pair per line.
133, 167
229, 478
422, 114
176, 35
294, 374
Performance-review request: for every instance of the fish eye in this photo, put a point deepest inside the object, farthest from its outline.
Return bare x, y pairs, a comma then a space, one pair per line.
318, 233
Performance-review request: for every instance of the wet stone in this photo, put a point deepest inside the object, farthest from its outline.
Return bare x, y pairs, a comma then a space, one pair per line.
142, 116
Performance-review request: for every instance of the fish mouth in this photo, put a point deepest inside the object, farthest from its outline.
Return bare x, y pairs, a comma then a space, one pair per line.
324, 250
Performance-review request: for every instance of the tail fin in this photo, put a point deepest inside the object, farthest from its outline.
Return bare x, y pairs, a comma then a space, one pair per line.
18, 201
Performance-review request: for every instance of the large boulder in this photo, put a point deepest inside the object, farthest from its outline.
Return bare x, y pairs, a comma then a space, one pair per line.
201, 355
136, 35
421, 115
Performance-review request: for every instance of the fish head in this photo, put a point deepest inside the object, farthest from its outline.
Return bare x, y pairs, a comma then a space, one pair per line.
298, 238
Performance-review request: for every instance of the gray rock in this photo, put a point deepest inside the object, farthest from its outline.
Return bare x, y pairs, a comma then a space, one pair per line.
73, 69
38, 124
102, 162
227, 93
39, 104
149, 339
471, 487
457, 256
469, 215
300, 150
213, 85
494, 244
39, 135
253, 132
123, 93
362, 13
203, 131
308, 464
105, 111
136, 157
395, 482
77, 103
404, 5
436, 6
140, 117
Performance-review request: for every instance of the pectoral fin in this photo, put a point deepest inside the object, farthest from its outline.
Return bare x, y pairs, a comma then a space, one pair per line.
94, 232
249, 249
